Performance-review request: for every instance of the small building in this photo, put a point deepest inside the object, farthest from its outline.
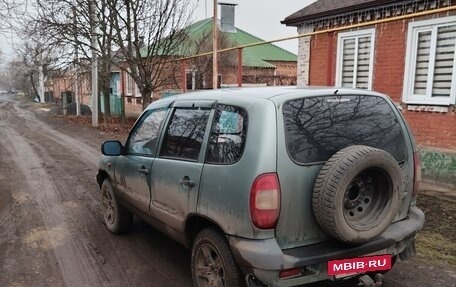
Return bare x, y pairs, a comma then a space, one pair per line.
405, 49
262, 65
265, 64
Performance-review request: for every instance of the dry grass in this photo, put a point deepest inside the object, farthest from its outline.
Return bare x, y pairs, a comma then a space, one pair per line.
436, 248
436, 243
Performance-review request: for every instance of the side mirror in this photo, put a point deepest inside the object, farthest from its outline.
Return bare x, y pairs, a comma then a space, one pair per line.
112, 148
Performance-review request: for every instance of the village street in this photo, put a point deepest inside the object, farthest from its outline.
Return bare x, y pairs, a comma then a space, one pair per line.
51, 228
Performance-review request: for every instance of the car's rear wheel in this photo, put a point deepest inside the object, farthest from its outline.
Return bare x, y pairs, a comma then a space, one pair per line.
116, 217
357, 193
212, 261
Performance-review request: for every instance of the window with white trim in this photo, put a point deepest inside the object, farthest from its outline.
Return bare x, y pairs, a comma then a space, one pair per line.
430, 76
355, 56
137, 91
129, 85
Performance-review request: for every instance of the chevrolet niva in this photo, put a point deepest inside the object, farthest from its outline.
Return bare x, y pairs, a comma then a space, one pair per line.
270, 186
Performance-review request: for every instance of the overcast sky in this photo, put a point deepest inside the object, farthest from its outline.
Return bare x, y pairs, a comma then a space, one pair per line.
258, 17
261, 18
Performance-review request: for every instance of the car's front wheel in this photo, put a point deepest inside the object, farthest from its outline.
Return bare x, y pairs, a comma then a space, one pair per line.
116, 217
212, 261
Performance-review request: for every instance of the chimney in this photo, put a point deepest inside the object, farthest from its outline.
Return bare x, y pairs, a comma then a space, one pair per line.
227, 17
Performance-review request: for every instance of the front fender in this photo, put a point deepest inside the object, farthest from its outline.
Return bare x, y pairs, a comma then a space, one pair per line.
106, 169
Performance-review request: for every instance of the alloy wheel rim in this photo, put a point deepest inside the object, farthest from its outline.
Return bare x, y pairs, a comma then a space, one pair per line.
108, 207
209, 267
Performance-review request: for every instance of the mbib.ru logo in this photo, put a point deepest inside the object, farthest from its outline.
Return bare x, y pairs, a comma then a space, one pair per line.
359, 265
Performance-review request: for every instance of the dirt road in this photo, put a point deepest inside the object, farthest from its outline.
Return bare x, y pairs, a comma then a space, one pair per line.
52, 232
51, 228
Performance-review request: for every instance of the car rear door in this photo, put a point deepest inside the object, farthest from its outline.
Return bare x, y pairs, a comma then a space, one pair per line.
177, 170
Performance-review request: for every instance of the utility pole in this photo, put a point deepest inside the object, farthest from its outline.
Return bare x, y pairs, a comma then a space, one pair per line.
41, 79
76, 60
214, 49
93, 19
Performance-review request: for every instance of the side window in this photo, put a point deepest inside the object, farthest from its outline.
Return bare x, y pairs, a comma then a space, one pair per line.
144, 138
185, 133
227, 138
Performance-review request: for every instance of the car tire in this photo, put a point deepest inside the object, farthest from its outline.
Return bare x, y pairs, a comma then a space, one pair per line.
117, 218
357, 194
212, 261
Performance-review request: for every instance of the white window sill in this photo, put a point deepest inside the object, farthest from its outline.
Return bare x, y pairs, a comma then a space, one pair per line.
427, 108
442, 103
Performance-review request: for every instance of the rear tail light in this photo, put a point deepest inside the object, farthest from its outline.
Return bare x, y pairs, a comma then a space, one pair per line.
416, 173
265, 201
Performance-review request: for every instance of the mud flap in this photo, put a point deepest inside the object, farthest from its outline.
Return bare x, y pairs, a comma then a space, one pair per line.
251, 281
366, 281
409, 251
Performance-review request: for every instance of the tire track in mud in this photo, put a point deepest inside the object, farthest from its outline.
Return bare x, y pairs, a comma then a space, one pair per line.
18, 241
84, 151
83, 209
77, 267
79, 260
142, 258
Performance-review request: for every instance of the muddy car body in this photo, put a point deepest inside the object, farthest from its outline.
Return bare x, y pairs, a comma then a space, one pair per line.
269, 186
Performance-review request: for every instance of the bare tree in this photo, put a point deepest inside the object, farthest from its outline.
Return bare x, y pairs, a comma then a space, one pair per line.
16, 76
67, 24
149, 34
201, 67
6, 9
32, 55
141, 37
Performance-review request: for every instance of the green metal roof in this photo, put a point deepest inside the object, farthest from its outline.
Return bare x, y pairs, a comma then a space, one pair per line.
256, 56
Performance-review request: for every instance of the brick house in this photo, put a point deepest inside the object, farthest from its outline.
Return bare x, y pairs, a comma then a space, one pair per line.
405, 49
266, 64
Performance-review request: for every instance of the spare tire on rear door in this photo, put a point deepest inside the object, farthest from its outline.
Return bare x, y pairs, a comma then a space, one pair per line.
357, 193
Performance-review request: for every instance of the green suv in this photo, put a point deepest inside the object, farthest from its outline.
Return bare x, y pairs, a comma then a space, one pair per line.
270, 186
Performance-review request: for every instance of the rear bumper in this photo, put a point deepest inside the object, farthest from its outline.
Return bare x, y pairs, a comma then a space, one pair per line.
265, 259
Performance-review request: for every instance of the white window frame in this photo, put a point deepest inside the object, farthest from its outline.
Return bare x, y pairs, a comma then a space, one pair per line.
129, 84
355, 34
137, 91
410, 61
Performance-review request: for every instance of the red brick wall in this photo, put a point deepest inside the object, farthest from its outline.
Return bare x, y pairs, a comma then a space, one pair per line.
433, 129
389, 61
430, 128
323, 60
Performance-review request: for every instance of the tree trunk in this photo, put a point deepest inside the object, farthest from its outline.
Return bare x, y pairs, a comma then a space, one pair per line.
146, 98
105, 90
105, 83
146, 94
34, 87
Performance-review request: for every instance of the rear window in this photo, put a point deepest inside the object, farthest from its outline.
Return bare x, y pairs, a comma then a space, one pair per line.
317, 127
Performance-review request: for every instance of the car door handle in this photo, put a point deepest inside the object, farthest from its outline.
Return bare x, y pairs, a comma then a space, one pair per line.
186, 182
143, 169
